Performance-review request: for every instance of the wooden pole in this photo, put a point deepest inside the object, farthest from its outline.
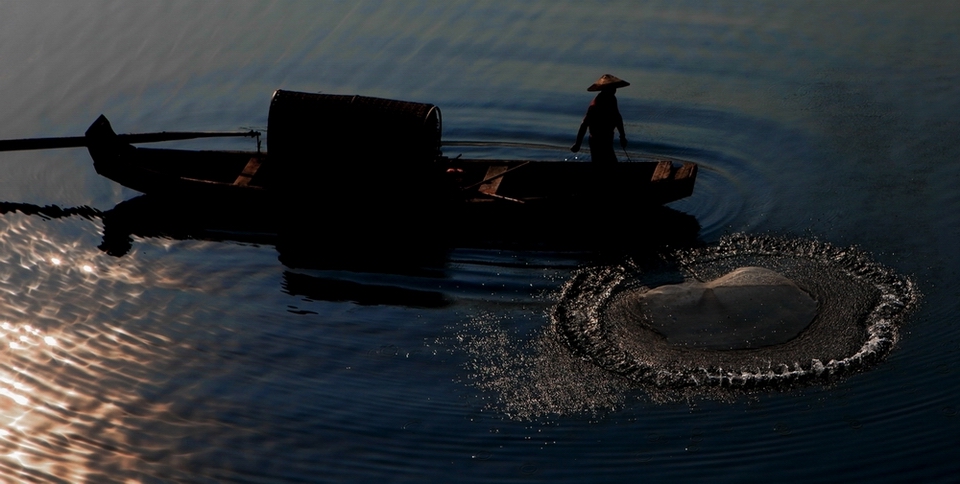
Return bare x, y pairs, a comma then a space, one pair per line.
83, 141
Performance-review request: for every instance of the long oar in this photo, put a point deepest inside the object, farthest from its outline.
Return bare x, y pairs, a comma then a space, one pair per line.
83, 141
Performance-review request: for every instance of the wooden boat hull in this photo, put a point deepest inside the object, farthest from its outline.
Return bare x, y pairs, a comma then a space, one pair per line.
201, 176
230, 177
342, 180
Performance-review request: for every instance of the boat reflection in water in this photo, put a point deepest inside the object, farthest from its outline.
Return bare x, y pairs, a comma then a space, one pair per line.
383, 245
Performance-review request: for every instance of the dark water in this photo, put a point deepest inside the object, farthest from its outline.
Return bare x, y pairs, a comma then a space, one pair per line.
207, 361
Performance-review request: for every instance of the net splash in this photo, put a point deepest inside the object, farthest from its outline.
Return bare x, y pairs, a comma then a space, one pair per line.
860, 308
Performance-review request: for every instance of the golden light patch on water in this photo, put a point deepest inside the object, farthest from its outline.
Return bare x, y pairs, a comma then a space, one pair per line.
76, 355
26, 395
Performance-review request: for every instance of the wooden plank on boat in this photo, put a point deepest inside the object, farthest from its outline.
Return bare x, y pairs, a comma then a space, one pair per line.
686, 171
493, 176
662, 171
248, 172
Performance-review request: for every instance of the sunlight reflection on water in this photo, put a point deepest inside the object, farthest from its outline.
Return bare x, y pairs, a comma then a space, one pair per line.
74, 361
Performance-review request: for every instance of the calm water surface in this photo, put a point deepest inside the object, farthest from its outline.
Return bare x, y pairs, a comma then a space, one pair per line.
207, 361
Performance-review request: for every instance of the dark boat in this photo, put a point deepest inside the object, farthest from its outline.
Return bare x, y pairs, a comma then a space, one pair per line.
228, 176
341, 152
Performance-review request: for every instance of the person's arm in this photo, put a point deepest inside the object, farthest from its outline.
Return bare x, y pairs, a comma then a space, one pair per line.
583, 131
623, 136
583, 128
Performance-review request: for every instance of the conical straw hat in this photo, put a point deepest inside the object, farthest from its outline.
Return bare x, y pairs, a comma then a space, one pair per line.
608, 81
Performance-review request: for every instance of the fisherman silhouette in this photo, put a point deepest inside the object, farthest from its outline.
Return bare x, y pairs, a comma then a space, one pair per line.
601, 119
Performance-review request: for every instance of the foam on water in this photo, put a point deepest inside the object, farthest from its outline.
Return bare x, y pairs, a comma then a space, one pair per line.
861, 307
596, 347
